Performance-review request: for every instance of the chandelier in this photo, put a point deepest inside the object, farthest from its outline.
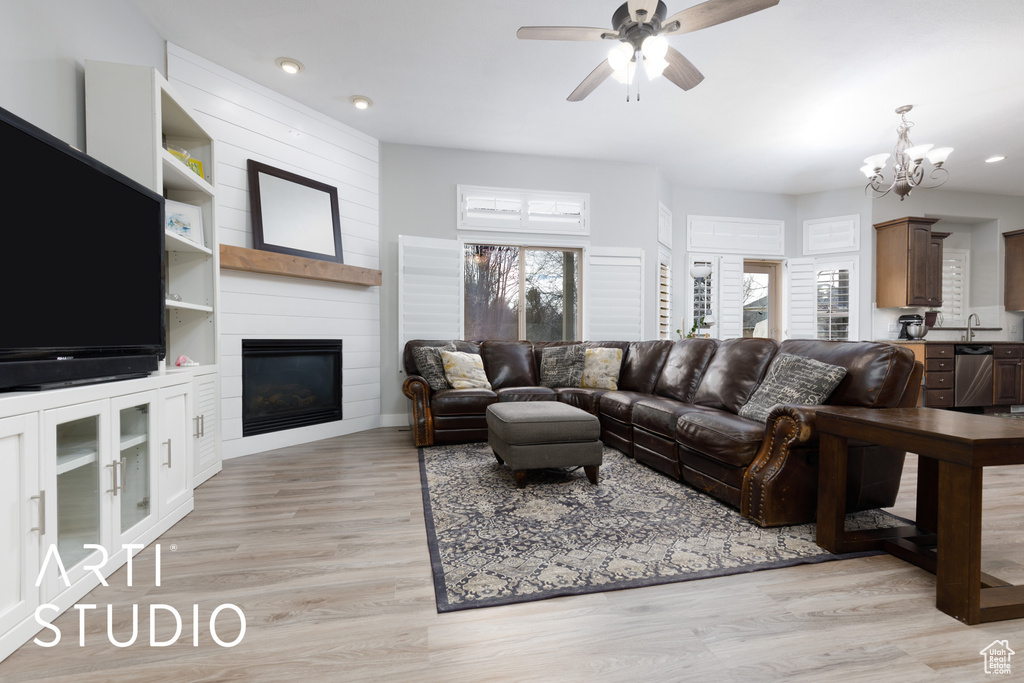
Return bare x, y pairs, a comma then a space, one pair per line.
908, 167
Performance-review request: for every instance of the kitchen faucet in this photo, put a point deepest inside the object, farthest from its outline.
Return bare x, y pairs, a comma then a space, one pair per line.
969, 337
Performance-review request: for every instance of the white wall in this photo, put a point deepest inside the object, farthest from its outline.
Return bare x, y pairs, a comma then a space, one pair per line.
43, 48
418, 186
253, 122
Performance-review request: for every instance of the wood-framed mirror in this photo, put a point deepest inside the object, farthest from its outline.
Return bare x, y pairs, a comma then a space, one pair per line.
292, 214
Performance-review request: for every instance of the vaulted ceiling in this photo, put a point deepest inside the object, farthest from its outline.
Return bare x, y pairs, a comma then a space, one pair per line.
795, 96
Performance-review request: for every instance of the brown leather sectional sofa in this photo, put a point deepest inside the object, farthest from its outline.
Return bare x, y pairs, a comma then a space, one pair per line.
676, 410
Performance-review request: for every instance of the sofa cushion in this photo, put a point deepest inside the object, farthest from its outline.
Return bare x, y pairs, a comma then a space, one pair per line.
462, 402
618, 405
660, 415
526, 394
431, 367
876, 373
793, 379
734, 372
720, 435
464, 370
642, 365
601, 368
409, 361
562, 366
578, 397
684, 367
509, 363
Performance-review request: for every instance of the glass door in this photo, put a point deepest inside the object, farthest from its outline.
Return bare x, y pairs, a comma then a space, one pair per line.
761, 299
75, 447
131, 475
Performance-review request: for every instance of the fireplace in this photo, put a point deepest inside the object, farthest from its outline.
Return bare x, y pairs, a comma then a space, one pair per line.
289, 383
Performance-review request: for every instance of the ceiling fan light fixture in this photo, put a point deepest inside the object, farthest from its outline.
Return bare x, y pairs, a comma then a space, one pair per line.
655, 47
654, 67
620, 55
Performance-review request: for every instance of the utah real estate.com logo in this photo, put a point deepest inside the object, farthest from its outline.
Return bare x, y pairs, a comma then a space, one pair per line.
997, 657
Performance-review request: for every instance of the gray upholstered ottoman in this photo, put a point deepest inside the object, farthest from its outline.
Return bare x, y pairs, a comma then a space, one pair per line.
532, 435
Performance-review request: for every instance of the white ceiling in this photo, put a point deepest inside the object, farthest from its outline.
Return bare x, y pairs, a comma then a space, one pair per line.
794, 97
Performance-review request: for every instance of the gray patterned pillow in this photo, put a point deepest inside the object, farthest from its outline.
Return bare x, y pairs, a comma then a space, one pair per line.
430, 366
793, 379
562, 366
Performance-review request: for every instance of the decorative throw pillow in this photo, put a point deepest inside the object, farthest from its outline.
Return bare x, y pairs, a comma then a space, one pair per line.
793, 379
601, 368
562, 366
464, 370
430, 366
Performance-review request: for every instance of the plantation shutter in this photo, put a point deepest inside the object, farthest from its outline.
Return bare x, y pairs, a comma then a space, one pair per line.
802, 299
954, 286
664, 296
614, 300
429, 289
730, 297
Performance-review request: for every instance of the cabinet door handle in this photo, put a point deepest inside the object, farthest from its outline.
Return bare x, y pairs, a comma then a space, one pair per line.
42, 513
114, 466
202, 422
195, 432
168, 463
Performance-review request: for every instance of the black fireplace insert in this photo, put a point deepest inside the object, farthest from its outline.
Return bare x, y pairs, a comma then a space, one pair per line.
289, 383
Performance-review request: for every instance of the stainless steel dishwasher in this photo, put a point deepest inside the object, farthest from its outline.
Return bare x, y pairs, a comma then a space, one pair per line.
972, 381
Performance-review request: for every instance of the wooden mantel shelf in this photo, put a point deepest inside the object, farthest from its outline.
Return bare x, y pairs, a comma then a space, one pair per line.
272, 263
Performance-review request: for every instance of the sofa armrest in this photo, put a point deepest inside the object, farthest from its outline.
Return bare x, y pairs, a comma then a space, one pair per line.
421, 420
780, 486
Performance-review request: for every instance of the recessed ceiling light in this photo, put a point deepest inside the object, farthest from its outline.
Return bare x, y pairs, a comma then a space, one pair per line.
289, 65
992, 160
360, 102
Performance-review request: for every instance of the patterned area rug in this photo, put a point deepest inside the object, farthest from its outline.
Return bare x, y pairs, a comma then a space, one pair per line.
494, 544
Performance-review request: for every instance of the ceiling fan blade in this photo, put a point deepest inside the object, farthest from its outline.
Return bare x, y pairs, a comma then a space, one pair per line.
641, 11
681, 70
596, 78
564, 33
711, 13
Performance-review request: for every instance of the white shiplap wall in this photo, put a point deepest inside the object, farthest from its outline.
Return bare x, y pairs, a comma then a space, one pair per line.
250, 121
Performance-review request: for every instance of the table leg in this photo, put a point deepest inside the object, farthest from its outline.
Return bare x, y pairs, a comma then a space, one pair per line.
831, 518
958, 574
927, 490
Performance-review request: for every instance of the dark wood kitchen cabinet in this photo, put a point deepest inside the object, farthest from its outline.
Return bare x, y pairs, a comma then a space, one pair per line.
1007, 375
1013, 292
908, 263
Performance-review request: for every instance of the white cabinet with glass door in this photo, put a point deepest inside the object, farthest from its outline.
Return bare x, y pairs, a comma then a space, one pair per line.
21, 522
76, 445
132, 478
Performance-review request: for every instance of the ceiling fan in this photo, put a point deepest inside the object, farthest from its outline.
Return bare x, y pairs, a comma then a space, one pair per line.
641, 27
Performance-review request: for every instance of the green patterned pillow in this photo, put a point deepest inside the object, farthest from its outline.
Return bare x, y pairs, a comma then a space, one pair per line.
562, 366
601, 368
464, 370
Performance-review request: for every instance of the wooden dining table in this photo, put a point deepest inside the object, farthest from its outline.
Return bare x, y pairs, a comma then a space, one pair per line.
953, 449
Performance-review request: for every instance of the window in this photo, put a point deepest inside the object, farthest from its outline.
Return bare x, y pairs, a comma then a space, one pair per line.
520, 292
534, 211
664, 294
955, 280
833, 304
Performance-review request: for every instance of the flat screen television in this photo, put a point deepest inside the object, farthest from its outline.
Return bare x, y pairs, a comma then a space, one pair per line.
82, 281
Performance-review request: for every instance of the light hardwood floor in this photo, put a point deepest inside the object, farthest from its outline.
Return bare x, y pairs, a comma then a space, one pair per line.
323, 548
